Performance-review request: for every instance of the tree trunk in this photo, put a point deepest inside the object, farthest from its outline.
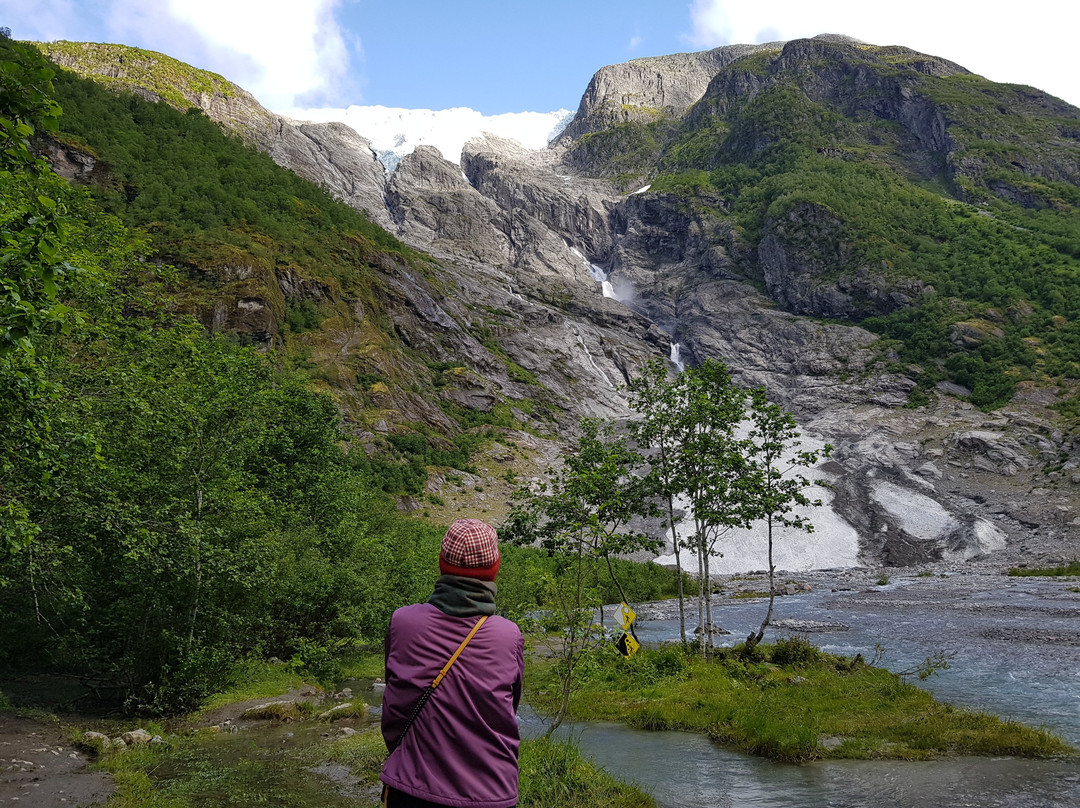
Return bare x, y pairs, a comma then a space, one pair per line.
701, 594
708, 599
570, 640
754, 639
678, 567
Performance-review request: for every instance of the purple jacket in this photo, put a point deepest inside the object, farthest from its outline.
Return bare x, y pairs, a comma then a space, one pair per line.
463, 748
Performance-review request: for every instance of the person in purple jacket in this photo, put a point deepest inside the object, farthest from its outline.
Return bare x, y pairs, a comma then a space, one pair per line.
462, 747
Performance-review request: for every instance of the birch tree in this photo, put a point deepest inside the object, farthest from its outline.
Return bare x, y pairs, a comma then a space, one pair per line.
775, 483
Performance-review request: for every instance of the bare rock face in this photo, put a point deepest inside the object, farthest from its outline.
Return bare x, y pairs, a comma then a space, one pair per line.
334, 156
435, 207
517, 178
644, 89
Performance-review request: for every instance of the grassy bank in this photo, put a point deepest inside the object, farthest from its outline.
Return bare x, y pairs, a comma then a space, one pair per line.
304, 763
1070, 569
787, 702
301, 769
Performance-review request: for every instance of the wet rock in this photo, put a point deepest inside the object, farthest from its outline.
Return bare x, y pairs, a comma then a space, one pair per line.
810, 626
347, 710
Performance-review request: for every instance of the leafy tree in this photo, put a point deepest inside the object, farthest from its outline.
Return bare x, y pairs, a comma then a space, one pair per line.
33, 224
773, 483
581, 516
710, 466
32, 220
652, 396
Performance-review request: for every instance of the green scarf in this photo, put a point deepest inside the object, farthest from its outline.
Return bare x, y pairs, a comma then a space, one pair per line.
458, 596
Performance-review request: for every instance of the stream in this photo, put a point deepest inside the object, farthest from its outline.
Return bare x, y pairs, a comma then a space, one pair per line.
1015, 652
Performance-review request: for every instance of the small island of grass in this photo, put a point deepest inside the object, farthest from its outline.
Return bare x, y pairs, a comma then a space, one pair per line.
788, 701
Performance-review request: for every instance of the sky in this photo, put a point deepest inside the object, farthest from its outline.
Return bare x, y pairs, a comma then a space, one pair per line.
315, 59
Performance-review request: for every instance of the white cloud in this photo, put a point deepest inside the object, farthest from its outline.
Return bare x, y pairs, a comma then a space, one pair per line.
284, 53
42, 21
1032, 45
296, 50
635, 42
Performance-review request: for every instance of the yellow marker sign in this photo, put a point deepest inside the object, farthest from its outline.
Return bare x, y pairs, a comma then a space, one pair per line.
628, 616
627, 645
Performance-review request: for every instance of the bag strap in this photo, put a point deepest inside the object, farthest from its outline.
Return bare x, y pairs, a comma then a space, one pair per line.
435, 683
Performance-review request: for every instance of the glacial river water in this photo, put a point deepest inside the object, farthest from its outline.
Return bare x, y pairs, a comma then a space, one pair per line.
1015, 646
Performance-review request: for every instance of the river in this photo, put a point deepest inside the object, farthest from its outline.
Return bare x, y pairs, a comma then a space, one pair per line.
1015, 652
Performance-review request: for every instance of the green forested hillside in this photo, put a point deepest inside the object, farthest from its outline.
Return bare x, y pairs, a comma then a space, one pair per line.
885, 171
268, 257
173, 503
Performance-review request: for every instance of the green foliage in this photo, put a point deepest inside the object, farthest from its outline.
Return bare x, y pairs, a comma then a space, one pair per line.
303, 316
796, 652
775, 483
195, 188
34, 224
555, 775
586, 508
986, 227
524, 570
162, 75
783, 701
172, 503
1072, 568
428, 449
582, 518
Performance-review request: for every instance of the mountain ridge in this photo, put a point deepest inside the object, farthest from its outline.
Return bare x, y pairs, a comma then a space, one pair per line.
718, 247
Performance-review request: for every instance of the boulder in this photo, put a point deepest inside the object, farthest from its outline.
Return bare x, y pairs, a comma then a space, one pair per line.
137, 737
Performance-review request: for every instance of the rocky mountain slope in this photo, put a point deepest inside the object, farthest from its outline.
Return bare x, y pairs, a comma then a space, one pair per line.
875, 235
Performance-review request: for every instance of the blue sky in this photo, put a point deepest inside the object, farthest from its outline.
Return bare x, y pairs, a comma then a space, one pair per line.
500, 56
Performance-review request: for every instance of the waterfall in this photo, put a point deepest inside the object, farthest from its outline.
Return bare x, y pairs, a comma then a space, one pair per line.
600, 276
676, 356
592, 361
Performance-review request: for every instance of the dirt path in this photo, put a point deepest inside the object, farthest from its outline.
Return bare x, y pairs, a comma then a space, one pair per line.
40, 768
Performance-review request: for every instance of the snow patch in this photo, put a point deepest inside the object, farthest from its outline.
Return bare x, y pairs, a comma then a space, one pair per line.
916, 514
833, 543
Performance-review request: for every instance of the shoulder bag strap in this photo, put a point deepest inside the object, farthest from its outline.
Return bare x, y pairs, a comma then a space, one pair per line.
435, 683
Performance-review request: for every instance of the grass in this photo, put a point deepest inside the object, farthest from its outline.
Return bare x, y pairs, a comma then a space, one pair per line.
1072, 568
280, 711
261, 680
262, 765
246, 769
556, 775
787, 702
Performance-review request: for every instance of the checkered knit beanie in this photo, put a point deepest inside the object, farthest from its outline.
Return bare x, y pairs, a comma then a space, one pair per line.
470, 548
